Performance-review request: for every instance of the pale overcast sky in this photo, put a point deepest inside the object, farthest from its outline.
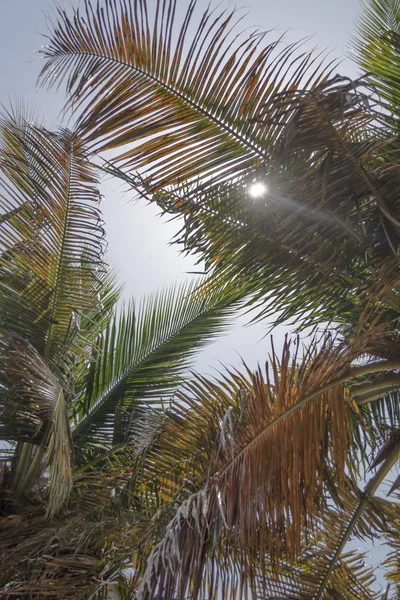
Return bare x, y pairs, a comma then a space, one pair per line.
138, 239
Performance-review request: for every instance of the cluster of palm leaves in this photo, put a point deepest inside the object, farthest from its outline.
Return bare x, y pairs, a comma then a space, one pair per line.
120, 475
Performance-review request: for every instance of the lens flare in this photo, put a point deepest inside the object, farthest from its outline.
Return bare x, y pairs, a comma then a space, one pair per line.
257, 189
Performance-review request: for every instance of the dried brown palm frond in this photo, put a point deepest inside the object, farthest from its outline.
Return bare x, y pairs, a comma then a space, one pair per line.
33, 410
213, 562
249, 462
74, 559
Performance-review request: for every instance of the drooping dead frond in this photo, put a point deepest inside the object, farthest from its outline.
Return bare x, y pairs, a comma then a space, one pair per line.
201, 549
33, 411
74, 560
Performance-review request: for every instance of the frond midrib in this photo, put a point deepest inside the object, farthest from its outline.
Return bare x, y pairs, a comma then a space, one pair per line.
206, 113
117, 381
58, 273
350, 373
369, 490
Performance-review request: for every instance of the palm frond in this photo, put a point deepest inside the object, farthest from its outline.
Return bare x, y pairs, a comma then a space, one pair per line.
73, 560
200, 548
86, 333
250, 461
188, 96
350, 579
392, 561
226, 111
33, 410
49, 188
108, 289
377, 50
316, 247
142, 357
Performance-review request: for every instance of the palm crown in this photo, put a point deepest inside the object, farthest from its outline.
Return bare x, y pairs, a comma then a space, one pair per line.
247, 485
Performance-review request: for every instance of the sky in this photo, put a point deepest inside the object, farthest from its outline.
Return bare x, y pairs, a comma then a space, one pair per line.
138, 239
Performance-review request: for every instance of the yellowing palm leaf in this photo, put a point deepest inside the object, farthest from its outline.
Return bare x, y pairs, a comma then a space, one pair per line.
190, 96
49, 192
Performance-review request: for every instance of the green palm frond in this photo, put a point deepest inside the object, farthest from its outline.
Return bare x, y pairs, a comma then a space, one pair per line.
108, 291
142, 357
49, 186
92, 322
377, 50
53, 280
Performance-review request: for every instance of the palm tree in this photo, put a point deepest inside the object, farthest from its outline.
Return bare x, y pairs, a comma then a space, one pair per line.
82, 381
248, 486
195, 114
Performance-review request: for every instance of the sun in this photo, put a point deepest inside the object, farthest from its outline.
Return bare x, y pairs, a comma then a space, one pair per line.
257, 189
